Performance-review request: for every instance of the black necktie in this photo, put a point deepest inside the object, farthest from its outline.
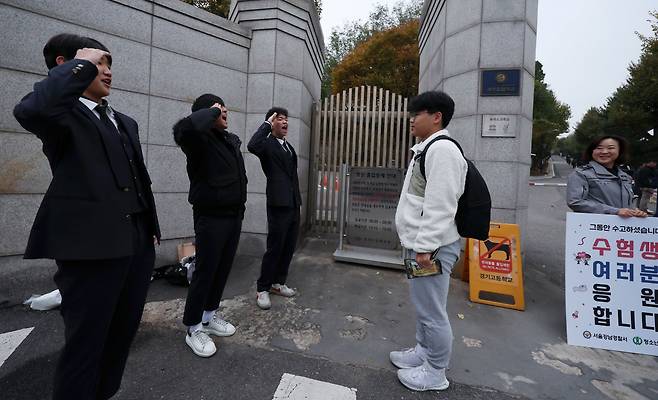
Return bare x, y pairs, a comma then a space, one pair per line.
286, 148
105, 119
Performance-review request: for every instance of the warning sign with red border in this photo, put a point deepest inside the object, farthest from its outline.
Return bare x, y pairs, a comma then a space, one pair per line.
495, 272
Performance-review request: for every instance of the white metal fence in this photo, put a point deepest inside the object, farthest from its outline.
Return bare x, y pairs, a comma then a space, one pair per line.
363, 126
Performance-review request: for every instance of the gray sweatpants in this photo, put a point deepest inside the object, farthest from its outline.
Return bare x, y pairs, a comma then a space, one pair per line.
429, 296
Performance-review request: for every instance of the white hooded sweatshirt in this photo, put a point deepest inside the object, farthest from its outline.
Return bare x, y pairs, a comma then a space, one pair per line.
425, 217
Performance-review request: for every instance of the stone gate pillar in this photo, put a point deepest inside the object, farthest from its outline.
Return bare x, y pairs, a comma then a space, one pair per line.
482, 53
285, 69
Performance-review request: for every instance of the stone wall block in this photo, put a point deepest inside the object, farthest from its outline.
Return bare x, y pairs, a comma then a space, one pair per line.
465, 43
502, 44
461, 14
167, 169
496, 10
464, 90
23, 167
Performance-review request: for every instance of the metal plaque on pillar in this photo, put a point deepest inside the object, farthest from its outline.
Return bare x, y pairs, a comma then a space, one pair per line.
367, 217
500, 82
499, 125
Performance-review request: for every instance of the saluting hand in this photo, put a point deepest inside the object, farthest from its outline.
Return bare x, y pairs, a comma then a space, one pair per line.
272, 118
92, 55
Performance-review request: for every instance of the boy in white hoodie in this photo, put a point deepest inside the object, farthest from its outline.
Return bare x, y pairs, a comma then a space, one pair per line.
425, 222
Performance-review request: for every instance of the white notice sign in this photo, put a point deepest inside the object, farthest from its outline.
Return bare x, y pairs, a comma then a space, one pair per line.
611, 282
499, 125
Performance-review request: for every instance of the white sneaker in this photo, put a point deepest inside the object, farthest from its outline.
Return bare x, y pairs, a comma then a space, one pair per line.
408, 358
424, 377
218, 327
282, 290
263, 300
200, 343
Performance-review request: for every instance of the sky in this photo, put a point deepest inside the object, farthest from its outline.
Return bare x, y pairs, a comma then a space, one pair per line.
585, 46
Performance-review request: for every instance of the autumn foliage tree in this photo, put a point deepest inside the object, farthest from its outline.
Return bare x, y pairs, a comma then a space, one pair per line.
389, 59
343, 41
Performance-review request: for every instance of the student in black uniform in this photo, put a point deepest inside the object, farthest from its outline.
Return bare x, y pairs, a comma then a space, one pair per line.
218, 192
279, 162
97, 219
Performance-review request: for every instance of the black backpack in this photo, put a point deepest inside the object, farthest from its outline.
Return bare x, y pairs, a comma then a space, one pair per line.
474, 207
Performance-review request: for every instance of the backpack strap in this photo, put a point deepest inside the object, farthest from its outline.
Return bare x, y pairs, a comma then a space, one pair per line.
421, 155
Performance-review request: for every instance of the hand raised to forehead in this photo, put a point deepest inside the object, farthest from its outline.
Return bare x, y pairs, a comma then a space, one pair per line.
217, 105
272, 118
92, 55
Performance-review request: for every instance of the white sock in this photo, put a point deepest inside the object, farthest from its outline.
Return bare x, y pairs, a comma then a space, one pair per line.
194, 328
207, 316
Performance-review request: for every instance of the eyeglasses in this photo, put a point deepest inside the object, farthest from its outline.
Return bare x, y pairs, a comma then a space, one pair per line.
417, 113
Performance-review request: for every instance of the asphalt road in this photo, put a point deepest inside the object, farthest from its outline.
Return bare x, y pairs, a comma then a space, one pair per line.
340, 330
546, 223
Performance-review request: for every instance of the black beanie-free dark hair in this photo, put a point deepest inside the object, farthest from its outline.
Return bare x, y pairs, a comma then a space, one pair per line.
434, 101
67, 45
206, 101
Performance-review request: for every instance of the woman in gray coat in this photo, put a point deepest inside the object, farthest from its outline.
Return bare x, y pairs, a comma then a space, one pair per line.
600, 186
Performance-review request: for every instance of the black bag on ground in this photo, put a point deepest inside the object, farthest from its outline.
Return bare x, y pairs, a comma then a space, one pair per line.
474, 208
176, 274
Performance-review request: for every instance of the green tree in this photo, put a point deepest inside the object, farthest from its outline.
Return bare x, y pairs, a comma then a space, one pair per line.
388, 59
223, 7
568, 147
550, 119
632, 110
593, 124
343, 41
217, 7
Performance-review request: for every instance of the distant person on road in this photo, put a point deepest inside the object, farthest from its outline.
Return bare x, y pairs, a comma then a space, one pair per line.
425, 223
600, 186
278, 160
97, 219
646, 181
218, 192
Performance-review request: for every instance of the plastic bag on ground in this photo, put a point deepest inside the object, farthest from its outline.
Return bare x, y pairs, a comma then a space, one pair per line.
44, 302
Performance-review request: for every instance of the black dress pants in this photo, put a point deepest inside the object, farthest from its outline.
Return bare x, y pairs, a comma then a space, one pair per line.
282, 232
216, 242
102, 304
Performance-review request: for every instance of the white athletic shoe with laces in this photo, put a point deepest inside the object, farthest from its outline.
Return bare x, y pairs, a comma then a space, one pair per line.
218, 327
408, 358
424, 377
263, 300
282, 290
200, 343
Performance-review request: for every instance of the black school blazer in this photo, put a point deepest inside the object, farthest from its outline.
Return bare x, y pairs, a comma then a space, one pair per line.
279, 168
79, 217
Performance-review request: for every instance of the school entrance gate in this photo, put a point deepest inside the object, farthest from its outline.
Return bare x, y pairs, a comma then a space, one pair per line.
360, 149
364, 127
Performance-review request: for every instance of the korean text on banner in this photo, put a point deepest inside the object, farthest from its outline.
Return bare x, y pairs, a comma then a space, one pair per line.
611, 282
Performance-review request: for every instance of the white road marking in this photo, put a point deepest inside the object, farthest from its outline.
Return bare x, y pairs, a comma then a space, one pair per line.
293, 387
9, 341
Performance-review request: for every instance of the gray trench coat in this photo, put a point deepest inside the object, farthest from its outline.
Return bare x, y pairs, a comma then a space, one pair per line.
593, 189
